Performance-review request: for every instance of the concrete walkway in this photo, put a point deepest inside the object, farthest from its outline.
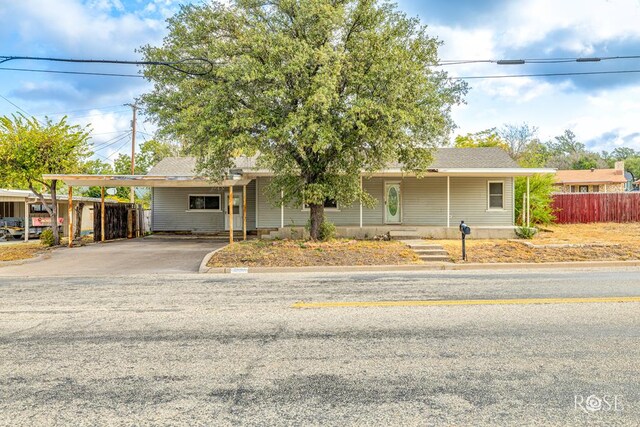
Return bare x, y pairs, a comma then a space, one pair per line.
124, 257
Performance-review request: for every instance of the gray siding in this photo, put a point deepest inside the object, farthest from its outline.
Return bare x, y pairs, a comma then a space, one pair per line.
469, 202
170, 209
424, 202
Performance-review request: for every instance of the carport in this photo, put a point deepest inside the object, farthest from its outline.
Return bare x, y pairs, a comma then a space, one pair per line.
108, 181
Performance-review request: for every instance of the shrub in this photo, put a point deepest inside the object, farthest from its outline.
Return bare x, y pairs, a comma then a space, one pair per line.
327, 230
46, 237
526, 232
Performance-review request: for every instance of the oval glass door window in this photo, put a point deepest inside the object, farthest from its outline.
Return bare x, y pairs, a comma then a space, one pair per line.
392, 201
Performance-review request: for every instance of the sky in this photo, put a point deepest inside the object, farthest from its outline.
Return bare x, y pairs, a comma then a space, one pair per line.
602, 110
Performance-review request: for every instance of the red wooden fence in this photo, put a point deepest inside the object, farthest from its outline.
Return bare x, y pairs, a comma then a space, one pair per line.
581, 208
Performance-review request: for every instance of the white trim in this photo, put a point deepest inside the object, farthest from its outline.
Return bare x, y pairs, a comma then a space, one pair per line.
203, 210
326, 209
281, 209
256, 181
513, 201
360, 201
448, 201
384, 198
489, 208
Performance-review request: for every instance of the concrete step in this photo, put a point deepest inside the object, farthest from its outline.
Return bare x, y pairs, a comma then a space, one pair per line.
421, 252
427, 258
421, 247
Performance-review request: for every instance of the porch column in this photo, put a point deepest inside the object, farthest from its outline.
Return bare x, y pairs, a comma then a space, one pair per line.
26, 220
70, 219
448, 201
231, 214
528, 205
244, 212
360, 201
102, 214
281, 209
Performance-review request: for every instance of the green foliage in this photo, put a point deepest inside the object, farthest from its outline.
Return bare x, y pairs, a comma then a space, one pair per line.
327, 230
95, 167
30, 149
485, 138
46, 237
541, 189
526, 232
319, 90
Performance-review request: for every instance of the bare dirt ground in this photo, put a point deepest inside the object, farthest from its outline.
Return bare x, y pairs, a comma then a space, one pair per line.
588, 242
298, 253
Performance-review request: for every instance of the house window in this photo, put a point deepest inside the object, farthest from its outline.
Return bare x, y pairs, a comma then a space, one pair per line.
596, 189
329, 204
201, 202
584, 188
496, 195
6, 209
37, 208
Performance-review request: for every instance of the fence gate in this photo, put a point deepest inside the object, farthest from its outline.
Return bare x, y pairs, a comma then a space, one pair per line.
121, 221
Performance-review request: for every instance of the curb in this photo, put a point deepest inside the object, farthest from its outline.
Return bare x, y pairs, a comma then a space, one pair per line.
203, 265
434, 266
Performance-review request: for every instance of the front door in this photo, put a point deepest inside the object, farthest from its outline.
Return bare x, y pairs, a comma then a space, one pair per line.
392, 203
237, 211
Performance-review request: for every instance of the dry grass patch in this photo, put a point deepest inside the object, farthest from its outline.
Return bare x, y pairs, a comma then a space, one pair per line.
298, 253
19, 251
613, 242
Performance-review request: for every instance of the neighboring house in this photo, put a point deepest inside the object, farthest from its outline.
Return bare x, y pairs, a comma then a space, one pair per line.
25, 205
471, 184
592, 180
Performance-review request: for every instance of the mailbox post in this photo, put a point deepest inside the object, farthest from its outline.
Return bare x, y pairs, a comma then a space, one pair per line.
464, 230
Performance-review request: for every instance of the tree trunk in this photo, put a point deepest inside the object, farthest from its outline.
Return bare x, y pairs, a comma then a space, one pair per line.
77, 231
51, 210
54, 214
317, 217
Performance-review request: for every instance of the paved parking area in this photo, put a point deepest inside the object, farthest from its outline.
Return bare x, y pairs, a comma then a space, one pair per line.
123, 257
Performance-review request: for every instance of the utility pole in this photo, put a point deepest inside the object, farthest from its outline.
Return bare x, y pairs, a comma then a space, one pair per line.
134, 108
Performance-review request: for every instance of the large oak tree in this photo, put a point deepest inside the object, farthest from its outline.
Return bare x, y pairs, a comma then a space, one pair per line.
319, 90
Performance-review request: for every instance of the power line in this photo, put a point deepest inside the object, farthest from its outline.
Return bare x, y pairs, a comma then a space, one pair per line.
77, 111
176, 65
535, 60
506, 76
72, 72
15, 105
109, 143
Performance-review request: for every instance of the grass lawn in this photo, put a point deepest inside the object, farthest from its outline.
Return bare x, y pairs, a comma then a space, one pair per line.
298, 253
611, 242
18, 251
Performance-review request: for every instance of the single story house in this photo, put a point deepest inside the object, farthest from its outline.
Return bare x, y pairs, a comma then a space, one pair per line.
25, 205
592, 180
475, 185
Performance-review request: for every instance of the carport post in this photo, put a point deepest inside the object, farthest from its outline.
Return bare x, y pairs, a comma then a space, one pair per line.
102, 214
244, 212
26, 220
231, 214
70, 220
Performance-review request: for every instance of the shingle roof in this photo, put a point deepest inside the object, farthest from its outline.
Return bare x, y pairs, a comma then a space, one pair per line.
590, 176
444, 158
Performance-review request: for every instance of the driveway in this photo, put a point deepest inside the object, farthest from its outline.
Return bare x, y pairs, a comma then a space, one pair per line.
123, 257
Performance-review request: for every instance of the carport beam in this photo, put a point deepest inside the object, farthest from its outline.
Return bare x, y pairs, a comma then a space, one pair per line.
102, 214
244, 212
70, 217
231, 214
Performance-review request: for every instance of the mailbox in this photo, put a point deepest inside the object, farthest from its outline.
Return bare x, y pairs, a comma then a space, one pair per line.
464, 231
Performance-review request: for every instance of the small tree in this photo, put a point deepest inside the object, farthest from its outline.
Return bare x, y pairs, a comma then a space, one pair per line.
30, 149
541, 188
320, 90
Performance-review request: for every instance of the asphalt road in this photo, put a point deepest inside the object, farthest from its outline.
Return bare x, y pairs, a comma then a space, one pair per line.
230, 350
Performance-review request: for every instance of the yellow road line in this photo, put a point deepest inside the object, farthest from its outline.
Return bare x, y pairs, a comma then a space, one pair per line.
428, 303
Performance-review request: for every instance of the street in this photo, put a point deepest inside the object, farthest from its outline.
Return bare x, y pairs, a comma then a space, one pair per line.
231, 350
